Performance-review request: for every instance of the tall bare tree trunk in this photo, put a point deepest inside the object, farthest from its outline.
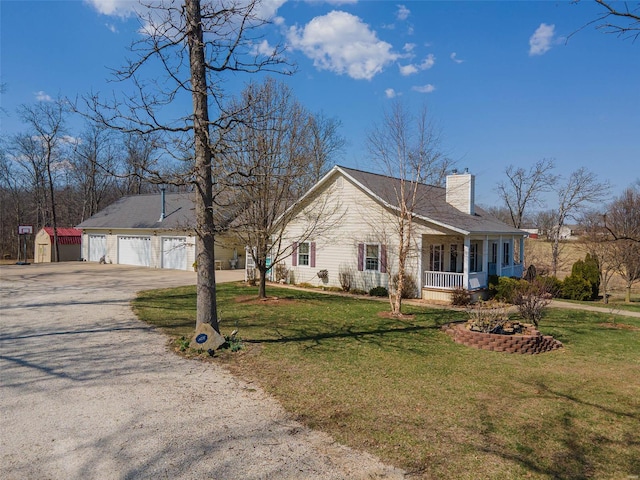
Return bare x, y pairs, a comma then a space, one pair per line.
206, 283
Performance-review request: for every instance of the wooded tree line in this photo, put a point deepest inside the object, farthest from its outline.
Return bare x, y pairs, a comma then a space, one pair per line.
50, 174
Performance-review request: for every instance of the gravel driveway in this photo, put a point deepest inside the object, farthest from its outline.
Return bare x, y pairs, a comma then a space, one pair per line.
89, 392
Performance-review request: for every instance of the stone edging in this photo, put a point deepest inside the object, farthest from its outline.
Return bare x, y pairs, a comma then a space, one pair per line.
532, 343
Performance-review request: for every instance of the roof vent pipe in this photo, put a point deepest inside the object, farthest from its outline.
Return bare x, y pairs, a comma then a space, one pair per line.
163, 188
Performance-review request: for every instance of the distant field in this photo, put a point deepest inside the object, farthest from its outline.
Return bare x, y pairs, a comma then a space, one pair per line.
538, 253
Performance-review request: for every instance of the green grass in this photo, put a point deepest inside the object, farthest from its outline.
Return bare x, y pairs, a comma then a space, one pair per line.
402, 390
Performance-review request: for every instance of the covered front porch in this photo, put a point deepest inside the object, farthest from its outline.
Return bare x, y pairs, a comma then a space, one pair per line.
452, 262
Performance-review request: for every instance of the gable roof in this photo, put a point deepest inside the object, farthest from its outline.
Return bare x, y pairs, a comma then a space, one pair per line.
143, 211
431, 205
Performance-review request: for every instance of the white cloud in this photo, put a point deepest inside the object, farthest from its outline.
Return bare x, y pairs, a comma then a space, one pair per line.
541, 40
406, 70
409, 47
390, 93
117, 8
428, 88
112, 28
403, 12
454, 57
42, 96
263, 48
342, 43
426, 64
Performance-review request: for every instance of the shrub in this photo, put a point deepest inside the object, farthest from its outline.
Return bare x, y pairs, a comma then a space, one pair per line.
531, 299
409, 288
576, 288
460, 297
552, 284
589, 270
282, 273
506, 289
379, 292
358, 291
345, 276
487, 317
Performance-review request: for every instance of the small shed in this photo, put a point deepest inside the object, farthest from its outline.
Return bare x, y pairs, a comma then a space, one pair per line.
69, 245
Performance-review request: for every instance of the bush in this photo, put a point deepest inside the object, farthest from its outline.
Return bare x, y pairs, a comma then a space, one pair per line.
282, 273
531, 299
358, 291
589, 270
345, 275
506, 289
487, 317
460, 297
552, 285
379, 292
576, 288
409, 289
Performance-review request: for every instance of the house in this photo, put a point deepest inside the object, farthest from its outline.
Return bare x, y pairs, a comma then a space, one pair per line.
154, 230
455, 244
69, 241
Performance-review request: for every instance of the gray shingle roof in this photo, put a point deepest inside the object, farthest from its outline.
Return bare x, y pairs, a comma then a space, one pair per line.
143, 211
431, 205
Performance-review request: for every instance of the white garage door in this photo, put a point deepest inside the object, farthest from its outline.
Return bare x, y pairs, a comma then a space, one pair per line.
97, 247
134, 251
174, 253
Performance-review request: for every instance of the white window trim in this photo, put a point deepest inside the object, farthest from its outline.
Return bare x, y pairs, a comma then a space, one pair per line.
364, 257
308, 254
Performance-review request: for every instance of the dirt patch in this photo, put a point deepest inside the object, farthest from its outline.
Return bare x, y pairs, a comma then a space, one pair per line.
620, 326
252, 300
387, 314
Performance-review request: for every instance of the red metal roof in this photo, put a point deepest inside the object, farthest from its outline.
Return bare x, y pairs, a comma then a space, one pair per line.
66, 236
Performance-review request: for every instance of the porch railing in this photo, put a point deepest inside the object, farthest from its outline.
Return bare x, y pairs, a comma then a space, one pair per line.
444, 280
451, 281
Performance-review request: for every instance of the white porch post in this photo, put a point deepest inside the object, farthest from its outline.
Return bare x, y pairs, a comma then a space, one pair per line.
500, 255
465, 263
420, 271
485, 256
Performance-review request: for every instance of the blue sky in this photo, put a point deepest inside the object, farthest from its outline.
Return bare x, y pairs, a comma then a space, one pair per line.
499, 78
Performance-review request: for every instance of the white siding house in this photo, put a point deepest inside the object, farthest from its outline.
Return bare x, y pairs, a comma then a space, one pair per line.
155, 231
455, 244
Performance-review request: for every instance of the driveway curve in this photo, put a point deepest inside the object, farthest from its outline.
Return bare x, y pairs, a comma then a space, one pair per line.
89, 392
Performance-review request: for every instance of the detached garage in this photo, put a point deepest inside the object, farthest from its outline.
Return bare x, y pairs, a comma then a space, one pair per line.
150, 231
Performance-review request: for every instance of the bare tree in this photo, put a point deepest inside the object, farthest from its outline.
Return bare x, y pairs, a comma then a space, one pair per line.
273, 157
94, 165
44, 145
407, 147
577, 193
623, 223
618, 18
597, 243
196, 42
326, 143
523, 188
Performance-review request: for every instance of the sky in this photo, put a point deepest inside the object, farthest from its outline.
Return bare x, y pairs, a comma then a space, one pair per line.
506, 82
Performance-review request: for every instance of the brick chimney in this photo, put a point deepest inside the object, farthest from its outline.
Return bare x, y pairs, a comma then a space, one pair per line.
460, 191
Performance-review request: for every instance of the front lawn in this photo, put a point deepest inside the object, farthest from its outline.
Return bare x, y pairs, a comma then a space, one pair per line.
402, 390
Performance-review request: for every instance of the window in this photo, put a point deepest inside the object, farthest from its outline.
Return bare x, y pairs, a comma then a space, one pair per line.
473, 257
494, 253
303, 254
436, 254
372, 258
453, 258
505, 253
